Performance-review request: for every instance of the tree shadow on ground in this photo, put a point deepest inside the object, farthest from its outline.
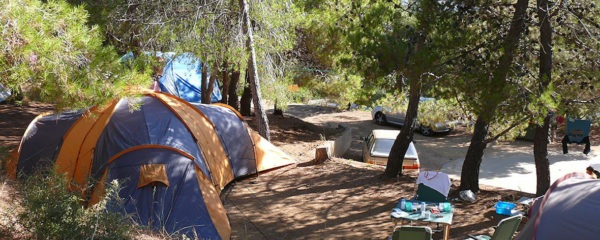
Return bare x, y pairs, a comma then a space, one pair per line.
303, 111
337, 200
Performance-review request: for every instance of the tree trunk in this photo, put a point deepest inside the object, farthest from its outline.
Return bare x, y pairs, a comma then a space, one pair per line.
277, 110
203, 81
225, 87
263, 122
246, 102
396, 158
233, 96
540, 142
469, 176
321, 155
496, 94
540, 154
207, 97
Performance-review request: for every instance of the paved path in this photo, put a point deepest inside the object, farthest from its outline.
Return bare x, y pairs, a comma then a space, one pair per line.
505, 165
516, 169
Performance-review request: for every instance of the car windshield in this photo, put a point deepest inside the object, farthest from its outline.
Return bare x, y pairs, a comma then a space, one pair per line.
382, 147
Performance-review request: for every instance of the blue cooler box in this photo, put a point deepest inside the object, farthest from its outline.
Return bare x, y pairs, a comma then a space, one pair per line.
504, 208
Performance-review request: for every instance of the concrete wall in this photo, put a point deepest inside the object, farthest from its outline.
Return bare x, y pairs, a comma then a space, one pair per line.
342, 142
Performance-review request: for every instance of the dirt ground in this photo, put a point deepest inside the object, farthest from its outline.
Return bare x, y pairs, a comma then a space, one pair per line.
14, 120
342, 199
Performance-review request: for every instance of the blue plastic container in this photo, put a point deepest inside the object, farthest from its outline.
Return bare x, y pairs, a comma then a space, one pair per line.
504, 208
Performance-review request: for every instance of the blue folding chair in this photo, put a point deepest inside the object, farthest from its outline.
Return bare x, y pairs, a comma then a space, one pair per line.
578, 131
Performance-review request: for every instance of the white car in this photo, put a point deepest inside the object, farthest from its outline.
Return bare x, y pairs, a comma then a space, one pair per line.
377, 146
386, 115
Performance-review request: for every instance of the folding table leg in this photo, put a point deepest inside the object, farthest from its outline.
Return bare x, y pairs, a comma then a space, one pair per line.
446, 231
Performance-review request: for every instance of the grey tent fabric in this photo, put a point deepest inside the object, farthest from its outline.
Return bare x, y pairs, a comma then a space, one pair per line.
568, 211
234, 137
43, 139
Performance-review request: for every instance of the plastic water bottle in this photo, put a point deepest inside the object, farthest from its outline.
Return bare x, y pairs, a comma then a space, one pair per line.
423, 208
402, 204
441, 206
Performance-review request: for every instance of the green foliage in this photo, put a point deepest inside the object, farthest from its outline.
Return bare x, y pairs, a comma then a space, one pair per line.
278, 90
339, 87
302, 95
342, 89
378, 40
212, 30
50, 211
441, 111
397, 101
52, 54
321, 43
572, 88
576, 57
430, 111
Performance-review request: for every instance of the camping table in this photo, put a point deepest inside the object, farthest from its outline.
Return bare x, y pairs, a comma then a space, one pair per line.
445, 220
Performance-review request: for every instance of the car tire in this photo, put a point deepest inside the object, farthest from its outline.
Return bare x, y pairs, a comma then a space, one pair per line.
380, 118
426, 131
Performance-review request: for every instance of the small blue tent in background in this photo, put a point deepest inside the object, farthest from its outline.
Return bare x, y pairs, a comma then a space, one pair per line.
182, 77
4, 93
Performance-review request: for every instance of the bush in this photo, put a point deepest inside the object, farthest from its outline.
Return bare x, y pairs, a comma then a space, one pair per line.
430, 111
303, 95
341, 89
50, 211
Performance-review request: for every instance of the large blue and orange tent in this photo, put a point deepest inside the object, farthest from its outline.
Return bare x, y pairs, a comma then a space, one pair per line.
172, 158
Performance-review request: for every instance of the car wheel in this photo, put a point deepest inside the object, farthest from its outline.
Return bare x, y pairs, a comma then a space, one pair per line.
380, 118
426, 131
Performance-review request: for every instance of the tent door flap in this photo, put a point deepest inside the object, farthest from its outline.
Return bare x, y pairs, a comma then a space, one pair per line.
152, 174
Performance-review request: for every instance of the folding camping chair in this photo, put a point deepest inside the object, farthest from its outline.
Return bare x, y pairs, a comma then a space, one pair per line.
412, 233
578, 131
504, 231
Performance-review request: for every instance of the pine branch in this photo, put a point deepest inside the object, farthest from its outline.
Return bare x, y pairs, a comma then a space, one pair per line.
515, 124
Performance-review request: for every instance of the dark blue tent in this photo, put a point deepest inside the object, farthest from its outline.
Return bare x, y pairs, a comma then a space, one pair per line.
172, 158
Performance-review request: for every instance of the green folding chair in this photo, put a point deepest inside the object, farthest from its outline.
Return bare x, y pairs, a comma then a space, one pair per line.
411, 233
427, 194
504, 231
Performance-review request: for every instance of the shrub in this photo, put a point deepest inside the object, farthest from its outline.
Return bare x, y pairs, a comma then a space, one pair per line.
50, 211
303, 95
341, 89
